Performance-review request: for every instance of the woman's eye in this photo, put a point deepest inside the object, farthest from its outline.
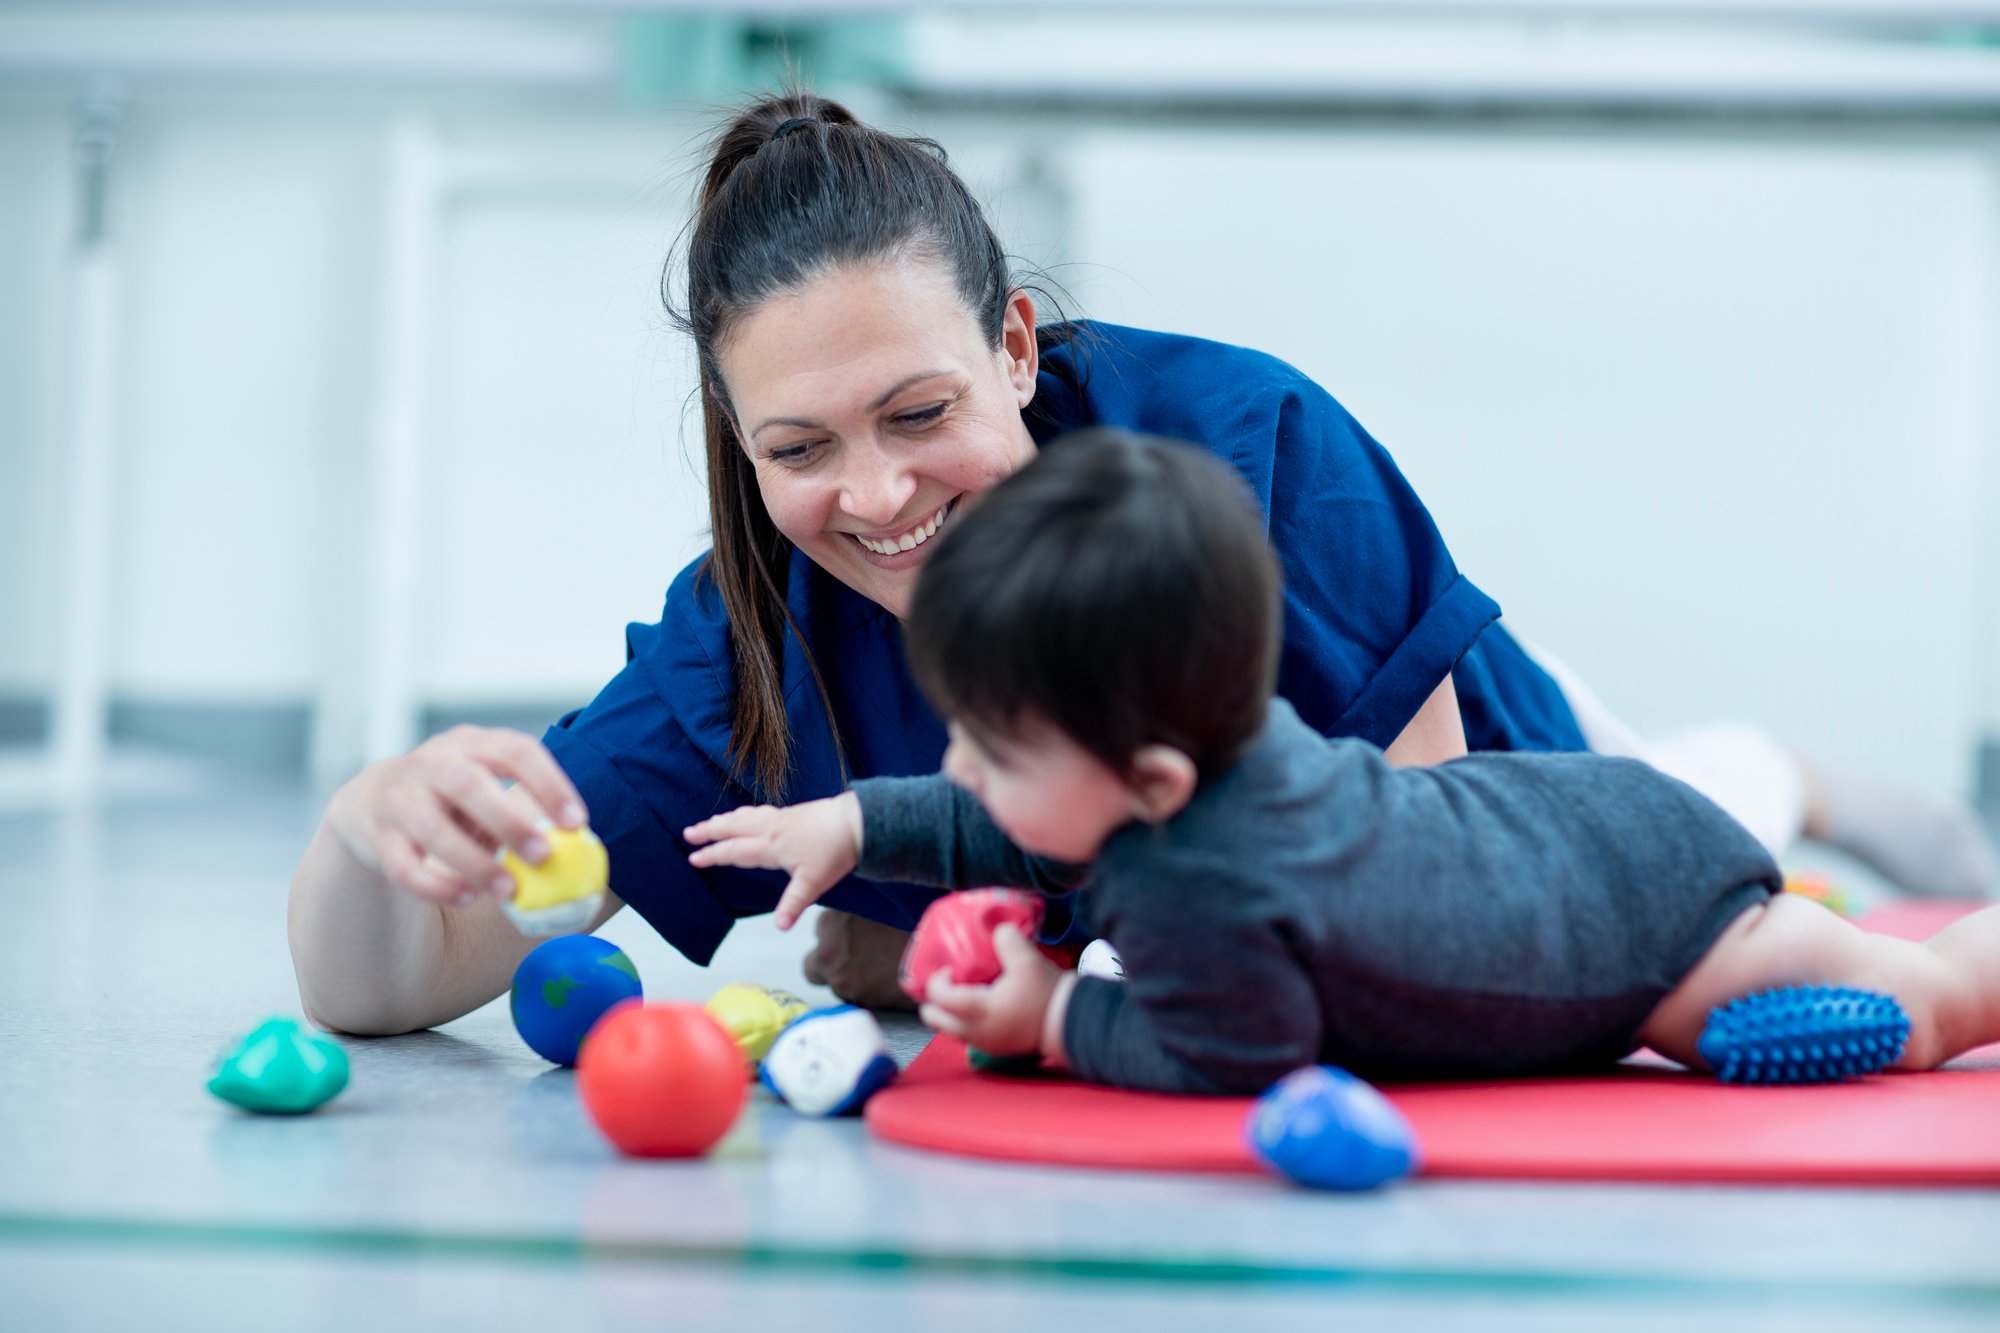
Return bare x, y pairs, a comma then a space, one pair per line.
921, 417
794, 454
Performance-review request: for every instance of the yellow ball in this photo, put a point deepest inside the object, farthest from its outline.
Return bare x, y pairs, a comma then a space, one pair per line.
577, 867
754, 1015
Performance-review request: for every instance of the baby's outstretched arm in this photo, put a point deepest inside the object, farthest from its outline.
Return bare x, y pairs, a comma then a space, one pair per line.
1949, 985
817, 843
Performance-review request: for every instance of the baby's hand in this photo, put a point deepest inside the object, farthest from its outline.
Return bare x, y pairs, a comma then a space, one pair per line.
818, 843
1007, 1017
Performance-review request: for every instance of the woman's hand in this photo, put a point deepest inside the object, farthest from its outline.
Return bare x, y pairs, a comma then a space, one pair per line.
1018, 1014
431, 820
817, 844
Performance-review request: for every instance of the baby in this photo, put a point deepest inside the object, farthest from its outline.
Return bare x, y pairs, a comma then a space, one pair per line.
1101, 634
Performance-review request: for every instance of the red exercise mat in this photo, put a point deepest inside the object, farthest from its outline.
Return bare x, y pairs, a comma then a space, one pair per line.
1638, 1122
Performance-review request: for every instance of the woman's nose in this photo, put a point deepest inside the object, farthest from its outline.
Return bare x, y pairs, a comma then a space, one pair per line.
876, 487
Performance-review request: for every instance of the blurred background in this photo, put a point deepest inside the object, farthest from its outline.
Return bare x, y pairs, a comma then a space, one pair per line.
337, 405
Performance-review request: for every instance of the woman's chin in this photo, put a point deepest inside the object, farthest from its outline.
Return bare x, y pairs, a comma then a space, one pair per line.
888, 580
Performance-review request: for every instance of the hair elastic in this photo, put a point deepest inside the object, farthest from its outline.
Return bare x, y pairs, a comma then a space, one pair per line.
787, 126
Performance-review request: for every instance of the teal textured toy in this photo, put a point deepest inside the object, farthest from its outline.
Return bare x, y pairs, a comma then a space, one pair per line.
281, 1068
1804, 1034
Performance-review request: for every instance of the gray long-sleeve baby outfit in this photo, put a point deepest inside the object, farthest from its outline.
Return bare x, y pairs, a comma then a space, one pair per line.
1499, 914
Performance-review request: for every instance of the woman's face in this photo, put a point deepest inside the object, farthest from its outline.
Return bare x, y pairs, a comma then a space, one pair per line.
873, 412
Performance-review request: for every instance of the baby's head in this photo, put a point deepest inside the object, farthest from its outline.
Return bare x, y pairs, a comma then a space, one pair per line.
1102, 632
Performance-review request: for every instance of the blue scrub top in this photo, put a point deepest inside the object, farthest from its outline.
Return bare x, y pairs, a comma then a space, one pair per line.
1376, 615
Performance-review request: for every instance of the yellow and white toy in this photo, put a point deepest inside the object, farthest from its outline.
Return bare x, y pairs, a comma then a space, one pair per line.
562, 895
754, 1015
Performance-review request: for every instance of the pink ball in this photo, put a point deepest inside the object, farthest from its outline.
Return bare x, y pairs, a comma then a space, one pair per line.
956, 933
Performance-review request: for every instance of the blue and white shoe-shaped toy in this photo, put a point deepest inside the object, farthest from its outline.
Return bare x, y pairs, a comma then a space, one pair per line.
1804, 1034
829, 1062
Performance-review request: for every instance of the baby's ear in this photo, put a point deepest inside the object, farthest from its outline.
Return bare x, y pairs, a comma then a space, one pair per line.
1162, 780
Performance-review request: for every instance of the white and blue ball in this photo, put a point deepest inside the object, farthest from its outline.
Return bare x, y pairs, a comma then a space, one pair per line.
829, 1062
1100, 960
1325, 1128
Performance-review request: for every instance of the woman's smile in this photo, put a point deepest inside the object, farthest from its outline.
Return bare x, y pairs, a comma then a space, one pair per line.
891, 546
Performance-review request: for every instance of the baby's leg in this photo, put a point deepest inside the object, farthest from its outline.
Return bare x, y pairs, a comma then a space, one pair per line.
1949, 985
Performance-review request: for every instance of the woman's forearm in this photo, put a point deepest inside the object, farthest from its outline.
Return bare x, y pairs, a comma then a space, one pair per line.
366, 953
1435, 734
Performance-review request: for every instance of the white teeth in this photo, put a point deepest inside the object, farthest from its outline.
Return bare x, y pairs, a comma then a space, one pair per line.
909, 541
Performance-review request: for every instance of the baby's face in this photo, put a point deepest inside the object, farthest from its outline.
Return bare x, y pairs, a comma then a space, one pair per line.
1050, 795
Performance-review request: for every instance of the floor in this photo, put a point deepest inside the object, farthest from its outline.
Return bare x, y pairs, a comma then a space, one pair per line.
457, 1184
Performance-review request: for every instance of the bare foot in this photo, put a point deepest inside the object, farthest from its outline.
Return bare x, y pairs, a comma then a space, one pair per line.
857, 959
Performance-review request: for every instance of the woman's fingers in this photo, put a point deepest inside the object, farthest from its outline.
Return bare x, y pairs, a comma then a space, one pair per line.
528, 762
431, 820
496, 819
421, 816
404, 864
473, 831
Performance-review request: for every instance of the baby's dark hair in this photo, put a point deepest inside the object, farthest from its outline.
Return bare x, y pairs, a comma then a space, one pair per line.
1119, 587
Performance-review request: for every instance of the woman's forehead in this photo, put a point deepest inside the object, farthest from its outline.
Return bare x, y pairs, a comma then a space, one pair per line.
847, 338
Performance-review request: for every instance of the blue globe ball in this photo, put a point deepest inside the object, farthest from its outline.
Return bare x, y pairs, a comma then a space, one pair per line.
564, 986
1323, 1127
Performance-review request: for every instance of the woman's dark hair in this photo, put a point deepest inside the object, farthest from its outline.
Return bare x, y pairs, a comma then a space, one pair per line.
795, 187
1119, 587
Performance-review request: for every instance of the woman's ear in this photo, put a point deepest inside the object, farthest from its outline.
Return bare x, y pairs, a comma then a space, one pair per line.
1017, 344
1162, 780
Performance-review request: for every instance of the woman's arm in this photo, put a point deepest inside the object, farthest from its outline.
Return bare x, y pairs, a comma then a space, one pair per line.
1435, 734
394, 918
373, 960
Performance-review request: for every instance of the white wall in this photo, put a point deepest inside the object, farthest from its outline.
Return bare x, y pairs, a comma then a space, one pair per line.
35, 223
248, 245
1710, 413
568, 494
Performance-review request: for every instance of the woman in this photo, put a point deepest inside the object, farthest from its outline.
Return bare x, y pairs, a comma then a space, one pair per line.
869, 368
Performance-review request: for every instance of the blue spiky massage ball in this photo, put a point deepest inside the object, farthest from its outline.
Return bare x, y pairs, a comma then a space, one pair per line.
1804, 1034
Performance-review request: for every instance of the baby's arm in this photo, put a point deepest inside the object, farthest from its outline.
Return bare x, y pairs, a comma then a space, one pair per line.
916, 830
1949, 986
930, 830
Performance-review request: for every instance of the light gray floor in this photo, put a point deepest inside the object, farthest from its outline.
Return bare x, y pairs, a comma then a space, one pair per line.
457, 1184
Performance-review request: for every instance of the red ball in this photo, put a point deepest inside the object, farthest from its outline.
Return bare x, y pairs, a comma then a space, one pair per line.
956, 932
661, 1080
